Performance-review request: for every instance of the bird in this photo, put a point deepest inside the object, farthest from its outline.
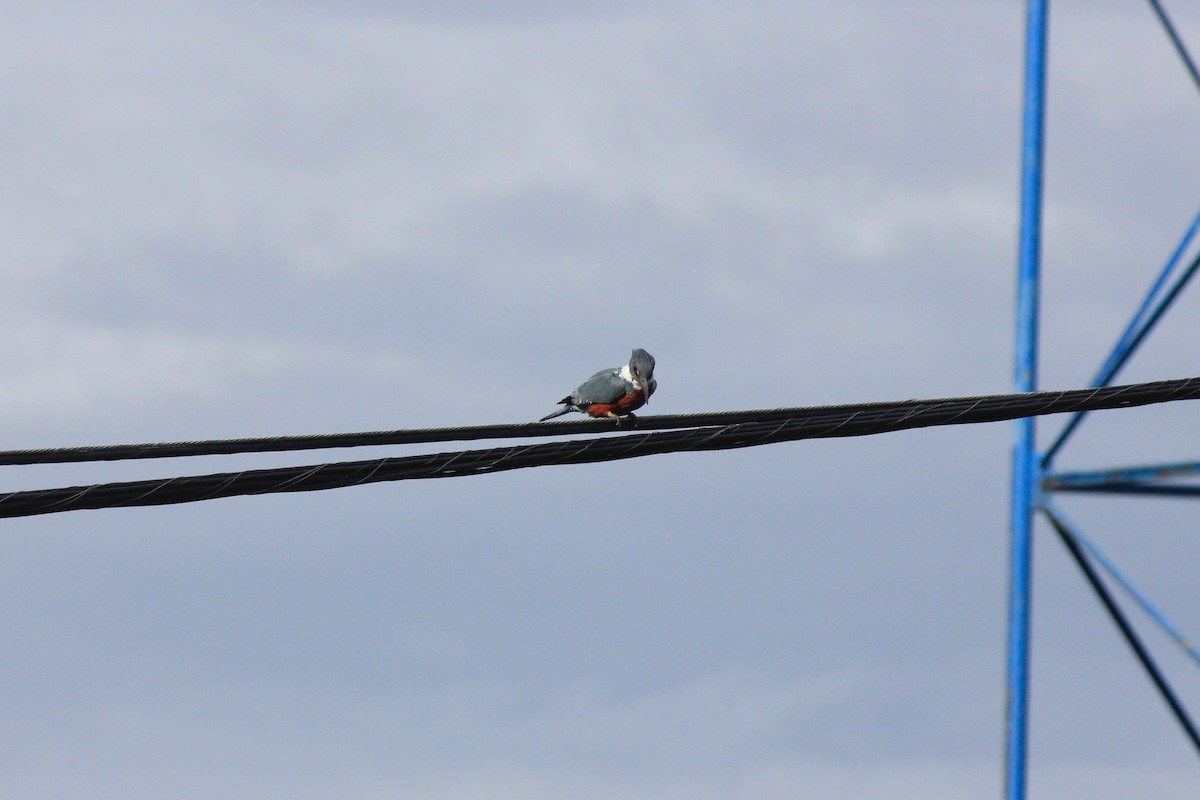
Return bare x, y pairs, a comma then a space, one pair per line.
613, 393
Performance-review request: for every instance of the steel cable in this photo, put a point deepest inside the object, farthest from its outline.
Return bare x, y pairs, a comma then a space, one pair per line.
767, 427
327, 441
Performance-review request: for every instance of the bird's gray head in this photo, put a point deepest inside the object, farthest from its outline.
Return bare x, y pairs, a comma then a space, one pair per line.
641, 367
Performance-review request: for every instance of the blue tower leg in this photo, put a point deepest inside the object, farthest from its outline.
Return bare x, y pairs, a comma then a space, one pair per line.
1025, 467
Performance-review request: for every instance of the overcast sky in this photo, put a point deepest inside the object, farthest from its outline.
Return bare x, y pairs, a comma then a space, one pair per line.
250, 219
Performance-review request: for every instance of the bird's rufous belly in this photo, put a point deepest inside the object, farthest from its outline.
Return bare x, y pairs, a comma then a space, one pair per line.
630, 402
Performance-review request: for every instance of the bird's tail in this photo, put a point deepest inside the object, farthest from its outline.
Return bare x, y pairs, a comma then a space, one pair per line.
558, 413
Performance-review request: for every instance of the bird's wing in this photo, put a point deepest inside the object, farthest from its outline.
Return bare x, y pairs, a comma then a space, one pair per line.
606, 386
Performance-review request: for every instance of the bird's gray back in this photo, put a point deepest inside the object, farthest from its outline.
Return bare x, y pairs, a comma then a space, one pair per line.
606, 386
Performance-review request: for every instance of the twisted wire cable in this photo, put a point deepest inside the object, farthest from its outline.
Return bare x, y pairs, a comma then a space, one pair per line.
1122, 395
759, 428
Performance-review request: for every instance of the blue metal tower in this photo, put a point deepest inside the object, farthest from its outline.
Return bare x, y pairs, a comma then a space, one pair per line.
1033, 477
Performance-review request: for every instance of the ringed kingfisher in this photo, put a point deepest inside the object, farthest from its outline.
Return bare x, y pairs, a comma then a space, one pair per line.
613, 393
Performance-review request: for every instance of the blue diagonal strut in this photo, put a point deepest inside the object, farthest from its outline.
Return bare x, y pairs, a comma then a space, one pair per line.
1176, 42
1144, 319
1071, 542
1125, 583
